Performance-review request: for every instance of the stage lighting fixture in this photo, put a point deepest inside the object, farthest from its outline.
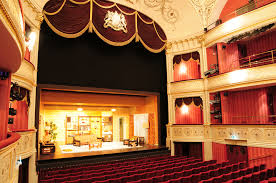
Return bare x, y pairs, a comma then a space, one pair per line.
219, 116
15, 94
4, 75
213, 69
10, 121
12, 111
216, 111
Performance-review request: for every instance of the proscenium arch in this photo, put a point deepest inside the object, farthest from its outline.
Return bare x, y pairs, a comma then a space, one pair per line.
142, 28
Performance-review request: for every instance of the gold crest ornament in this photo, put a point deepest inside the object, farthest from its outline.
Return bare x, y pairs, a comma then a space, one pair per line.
116, 21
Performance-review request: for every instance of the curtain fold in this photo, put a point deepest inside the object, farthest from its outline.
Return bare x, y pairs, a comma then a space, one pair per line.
228, 56
4, 106
261, 44
71, 18
219, 152
259, 155
192, 116
187, 66
245, 107
21, 118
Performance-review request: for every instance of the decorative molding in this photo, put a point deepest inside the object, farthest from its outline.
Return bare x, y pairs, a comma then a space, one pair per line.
26, 144
168, 12
33, 13
204, 8
8, 168
11, 17
249, 135
185, 45
116, 21
182, 87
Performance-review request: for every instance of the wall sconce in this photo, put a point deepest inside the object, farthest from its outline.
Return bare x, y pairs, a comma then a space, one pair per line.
184, 109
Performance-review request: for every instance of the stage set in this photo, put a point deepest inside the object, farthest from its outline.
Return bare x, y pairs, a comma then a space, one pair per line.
76, 124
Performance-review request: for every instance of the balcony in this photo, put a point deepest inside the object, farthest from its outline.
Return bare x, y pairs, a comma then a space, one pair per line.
12, 28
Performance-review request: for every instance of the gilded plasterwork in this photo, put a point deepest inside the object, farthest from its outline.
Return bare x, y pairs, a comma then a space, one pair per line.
204, 8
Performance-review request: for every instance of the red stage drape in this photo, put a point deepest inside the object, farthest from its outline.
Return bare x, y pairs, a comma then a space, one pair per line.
27, 54
261, 44
219, 152
4, 106
193, 114
241, 107
71, 19
228, 57
21, 117
186, 66
259, 155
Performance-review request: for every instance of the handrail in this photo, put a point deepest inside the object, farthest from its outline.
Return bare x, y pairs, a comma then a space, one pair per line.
12, 137
255, 4
261, 157
255, 60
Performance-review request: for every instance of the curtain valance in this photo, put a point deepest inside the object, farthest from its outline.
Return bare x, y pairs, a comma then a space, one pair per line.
71, 18
197, 101
186, 57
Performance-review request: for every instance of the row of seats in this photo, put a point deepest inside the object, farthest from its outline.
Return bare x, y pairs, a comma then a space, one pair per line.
158, 170
192, 176
94, 173
114, 165
231, 176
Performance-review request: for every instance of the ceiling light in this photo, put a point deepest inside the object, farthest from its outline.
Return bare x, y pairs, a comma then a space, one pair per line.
79, 109
113, 110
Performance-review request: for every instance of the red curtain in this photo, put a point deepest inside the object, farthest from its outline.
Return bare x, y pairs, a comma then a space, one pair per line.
186, 66
4, 106
195, 150
192, 116
186, 70
139, 26
21, 118
259, 155
27, 54
236, 153
261, 43
219, 152
228, 56
249, 107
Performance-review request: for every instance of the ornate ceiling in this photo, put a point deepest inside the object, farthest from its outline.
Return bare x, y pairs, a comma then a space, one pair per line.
178, 18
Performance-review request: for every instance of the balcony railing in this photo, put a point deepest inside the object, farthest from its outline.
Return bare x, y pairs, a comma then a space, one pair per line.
255, 60
252, 5
258, 59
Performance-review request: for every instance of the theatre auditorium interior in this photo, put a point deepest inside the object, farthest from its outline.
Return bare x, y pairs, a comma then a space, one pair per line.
137, 91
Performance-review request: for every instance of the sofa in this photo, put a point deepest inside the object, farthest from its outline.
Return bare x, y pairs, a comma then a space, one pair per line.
79, 140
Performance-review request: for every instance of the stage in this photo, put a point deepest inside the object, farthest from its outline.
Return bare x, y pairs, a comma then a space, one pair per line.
108, 148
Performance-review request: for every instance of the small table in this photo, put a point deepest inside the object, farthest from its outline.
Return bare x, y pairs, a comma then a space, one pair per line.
47, 148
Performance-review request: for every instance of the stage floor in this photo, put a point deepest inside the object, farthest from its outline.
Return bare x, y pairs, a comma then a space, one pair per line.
70, 151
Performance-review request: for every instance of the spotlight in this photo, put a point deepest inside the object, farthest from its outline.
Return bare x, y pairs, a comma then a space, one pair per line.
12, 112
15, 93
219, 116
213, 69
10, 121
4, 75
216, 111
